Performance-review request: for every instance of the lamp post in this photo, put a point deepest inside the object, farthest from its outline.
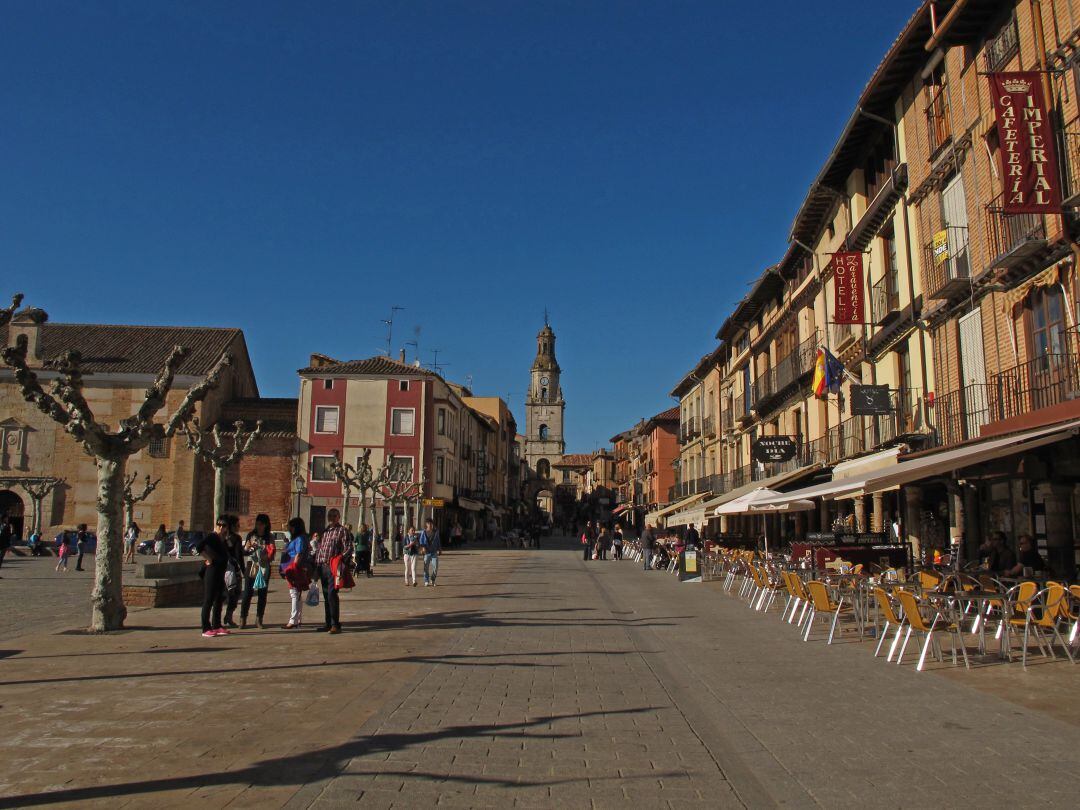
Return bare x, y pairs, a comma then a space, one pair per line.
301, 487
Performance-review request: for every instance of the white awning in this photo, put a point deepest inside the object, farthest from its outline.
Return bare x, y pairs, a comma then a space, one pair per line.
771, 483
678, 505
686, 517
470, 504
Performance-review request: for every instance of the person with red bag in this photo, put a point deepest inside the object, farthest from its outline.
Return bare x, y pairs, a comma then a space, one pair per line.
334, 542
295, 569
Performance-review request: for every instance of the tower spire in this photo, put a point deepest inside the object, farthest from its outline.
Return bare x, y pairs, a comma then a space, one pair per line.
547, 322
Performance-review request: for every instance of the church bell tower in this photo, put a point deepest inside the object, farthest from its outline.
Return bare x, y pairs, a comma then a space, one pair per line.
544, 406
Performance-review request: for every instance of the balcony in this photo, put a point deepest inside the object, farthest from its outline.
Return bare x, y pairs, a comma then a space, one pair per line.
842, 335
708, 426
946, 267
938, 127
742, 408
1043, 382
1069, 148
1003, 47
788, 372
727, 421
884, 302
1014, 239
672, 493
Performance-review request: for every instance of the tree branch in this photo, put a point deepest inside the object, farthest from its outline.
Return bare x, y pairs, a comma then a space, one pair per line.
156, 394
7, 312
129, 492
195, 394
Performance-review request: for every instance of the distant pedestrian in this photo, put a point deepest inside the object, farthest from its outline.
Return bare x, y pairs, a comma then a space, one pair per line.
588, 539
397, 546
82, 540
432, 548
362, 549
131, 537
235, 572
215, 563
179, 538
334, 543
692, 539
617, 543
411, 551
648, 545
296, 565
65, 552
457, 534
159, 541
7, 532
34, 542
603, 543
260, 550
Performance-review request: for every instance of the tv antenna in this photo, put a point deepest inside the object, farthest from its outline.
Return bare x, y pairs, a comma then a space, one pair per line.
390, 328
416, 348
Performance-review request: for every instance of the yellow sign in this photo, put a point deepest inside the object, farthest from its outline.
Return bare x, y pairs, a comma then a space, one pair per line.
690, 562
436, 502
941, 247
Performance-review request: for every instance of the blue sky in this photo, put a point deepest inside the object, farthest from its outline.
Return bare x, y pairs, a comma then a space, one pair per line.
296, 169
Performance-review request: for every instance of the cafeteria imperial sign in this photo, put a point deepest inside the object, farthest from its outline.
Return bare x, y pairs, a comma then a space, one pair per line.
1029, 168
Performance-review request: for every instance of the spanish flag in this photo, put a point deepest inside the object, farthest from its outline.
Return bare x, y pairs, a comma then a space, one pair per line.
828, 374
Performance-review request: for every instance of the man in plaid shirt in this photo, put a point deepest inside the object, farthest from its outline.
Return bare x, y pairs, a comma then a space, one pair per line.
333, 541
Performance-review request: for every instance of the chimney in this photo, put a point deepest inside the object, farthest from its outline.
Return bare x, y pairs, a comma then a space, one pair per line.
401, 357
26, 323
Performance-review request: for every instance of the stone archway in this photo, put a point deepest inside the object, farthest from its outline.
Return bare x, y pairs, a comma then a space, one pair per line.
545, 502
12, 506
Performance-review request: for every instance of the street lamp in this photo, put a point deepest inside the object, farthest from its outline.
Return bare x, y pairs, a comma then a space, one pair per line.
301, 487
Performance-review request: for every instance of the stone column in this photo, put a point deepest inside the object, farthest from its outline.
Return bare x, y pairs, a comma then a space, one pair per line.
723, 524
956, 514
860, 513
1057, 501
877, 519
913, 520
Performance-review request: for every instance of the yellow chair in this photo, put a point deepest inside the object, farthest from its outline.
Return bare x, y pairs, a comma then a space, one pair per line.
885, 606
820, 602
1047, 604
803, 599
929, 580
913, 615
1014, 611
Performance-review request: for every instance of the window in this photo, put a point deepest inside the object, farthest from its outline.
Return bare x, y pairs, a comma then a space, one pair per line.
903, 366
328, 384
159, 447
543, 432
440, 467
326, 419
441, 422
543, 394
543, 468
321, 468
402, 468
566, 476
1047, 322
237, 500
938, 125
403, 385
401, 421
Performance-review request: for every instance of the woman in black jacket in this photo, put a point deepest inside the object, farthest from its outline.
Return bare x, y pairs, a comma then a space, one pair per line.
234, 581
215, 561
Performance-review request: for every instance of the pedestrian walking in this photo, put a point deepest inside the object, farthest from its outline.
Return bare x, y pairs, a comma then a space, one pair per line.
82, 540
259, 549
296, 567
603, 543
159, 541
131, 537
179, 538
617, 543
6, 533
215, 563
588, 539
235, 573
432, 548
411, 551
648, 544
65, 552
333, 543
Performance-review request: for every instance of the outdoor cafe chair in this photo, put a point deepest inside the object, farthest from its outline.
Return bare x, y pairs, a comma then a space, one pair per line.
929, 580
917, 624
885, 606
1044, 612
803, 603
793, 598
821, 603
1015, 604
1071, 611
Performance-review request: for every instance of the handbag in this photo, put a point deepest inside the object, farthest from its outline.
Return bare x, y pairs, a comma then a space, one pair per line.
230, 579
260, 581
312, 599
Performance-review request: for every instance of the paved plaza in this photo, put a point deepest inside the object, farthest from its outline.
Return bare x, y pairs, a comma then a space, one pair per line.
525, 678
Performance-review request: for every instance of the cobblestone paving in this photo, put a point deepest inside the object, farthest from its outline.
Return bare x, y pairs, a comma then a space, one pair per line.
528, 679
34, 597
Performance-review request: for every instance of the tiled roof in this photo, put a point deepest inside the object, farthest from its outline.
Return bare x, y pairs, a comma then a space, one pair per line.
134, 349
671, 414
375, 366
278, 415
574, 460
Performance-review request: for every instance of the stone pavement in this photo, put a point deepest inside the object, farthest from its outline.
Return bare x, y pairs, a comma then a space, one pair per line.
526, 678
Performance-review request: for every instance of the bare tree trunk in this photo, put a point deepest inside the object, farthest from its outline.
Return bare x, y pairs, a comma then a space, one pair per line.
345, 508
219, 492
129, 510
35, 513
107, 603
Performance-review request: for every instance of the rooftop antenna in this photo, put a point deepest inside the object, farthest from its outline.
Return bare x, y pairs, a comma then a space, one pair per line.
390, 328
468, 381
416, 348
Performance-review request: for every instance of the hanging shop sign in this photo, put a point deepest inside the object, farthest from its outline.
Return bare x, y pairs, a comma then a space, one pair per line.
941, 247
870, 400
1029, 167
847, 288
438, 503
773, 449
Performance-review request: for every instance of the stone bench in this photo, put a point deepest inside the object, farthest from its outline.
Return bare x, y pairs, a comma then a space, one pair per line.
169, 583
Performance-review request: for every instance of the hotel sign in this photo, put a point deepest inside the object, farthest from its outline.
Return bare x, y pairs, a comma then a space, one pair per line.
1029, 166
847, 288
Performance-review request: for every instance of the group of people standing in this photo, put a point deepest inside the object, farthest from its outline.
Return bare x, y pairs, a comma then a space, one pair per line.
597, 542
315, 568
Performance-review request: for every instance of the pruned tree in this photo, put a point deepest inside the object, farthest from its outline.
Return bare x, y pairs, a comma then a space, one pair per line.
398, 489
67, 406
220, 449
38, 489
131, 497
360, 478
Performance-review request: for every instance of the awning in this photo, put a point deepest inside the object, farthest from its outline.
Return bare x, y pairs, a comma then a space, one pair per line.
867, 463
695, 515
470, 504
772, 483
679, 505
759, 501
618, 510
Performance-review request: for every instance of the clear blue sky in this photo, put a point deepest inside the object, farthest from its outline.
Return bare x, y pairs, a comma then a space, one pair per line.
295, 169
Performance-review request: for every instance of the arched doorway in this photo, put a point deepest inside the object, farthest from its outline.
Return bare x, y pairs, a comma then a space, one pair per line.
545, 501
12, 506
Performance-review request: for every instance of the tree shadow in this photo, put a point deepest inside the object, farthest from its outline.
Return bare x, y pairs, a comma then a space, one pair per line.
307, 766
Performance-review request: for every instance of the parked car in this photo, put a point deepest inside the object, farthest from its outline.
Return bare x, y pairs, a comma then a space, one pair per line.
147, 546
281, 539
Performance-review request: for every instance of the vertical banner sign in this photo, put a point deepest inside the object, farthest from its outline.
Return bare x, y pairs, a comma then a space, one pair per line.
1029, 166
847, 288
